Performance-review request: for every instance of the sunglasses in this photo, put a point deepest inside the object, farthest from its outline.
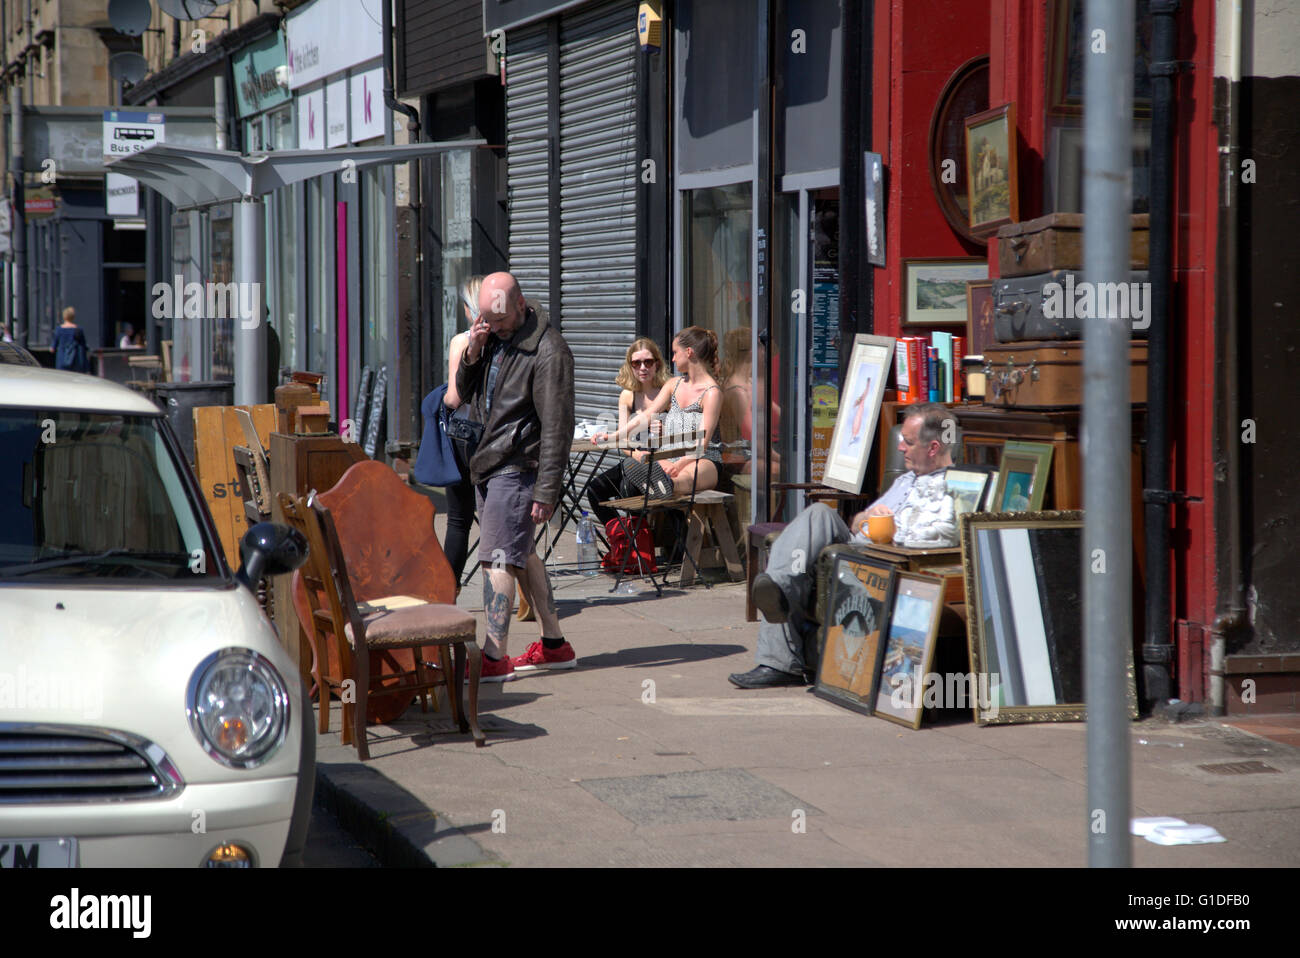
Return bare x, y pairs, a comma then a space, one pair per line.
645, 362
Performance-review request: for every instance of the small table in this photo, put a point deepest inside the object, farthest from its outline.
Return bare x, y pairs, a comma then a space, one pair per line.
571, 496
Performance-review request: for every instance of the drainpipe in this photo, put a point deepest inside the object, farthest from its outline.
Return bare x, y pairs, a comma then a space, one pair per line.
417, 256
1232, 607
1157, 648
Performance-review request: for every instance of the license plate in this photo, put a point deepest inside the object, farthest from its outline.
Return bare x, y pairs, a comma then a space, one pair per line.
38, 852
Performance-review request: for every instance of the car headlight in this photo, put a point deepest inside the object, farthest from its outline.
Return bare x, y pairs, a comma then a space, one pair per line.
238, 707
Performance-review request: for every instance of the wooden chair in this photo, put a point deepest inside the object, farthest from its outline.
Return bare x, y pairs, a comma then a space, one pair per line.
358, 630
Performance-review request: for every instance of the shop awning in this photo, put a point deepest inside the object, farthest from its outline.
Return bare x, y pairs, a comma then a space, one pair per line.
192, 178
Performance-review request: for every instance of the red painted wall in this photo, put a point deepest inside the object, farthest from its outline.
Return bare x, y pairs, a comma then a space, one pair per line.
918, 43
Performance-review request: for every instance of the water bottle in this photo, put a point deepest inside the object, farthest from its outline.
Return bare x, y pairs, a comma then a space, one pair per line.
588, 558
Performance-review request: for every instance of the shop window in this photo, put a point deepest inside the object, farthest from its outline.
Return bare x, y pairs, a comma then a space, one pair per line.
320, 281
377, 259
222, 269
719, 225
456, 230
282, 275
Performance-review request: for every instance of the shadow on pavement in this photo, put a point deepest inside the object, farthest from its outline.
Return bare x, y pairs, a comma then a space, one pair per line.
657, 655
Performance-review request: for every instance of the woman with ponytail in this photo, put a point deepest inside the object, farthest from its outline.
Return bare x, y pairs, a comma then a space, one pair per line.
693, 403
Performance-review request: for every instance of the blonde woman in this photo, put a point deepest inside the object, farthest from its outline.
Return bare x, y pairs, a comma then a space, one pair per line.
460, 497
642, 376
693, 404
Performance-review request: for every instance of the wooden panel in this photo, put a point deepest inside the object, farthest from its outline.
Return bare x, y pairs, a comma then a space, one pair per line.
216, 432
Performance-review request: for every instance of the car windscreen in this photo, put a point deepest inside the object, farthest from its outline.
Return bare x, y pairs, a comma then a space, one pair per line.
96, 495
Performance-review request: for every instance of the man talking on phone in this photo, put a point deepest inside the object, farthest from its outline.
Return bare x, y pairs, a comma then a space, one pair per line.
517, 376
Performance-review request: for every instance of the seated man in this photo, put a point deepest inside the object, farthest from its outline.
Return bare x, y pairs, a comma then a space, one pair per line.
923, 516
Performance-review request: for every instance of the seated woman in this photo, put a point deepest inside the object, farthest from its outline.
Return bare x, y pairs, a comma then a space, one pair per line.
693, 403
642, 377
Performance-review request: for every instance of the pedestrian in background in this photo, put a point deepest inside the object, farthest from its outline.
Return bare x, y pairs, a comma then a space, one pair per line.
70, 350
517, 376
460, 496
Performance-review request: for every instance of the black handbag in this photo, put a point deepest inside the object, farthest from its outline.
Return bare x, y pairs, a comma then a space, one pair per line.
465, 433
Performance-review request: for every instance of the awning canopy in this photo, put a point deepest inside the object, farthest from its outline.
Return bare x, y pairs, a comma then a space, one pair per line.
191, 178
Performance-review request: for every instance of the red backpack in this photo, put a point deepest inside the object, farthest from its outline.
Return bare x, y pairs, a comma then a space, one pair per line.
616, 535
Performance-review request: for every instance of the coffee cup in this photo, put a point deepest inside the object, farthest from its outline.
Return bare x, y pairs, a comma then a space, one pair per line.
880, 529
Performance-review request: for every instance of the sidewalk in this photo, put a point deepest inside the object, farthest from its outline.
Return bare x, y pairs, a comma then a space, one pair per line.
646, 755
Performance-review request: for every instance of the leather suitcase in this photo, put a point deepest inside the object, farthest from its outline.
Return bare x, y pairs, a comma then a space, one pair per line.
1049, 375
1055, 242
1019, 314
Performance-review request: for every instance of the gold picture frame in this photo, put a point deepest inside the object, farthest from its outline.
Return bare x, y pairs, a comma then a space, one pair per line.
1027, 667
1022, 477
991, 171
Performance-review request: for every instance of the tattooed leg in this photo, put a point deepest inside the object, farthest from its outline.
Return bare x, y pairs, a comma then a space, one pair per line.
498, 600
537, 586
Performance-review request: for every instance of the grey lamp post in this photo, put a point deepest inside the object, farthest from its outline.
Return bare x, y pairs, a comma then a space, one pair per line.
192, 178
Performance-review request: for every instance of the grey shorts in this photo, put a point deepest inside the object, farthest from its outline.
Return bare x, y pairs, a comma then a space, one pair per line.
505, 504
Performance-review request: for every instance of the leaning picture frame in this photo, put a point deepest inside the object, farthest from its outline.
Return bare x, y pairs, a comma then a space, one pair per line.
979, 316
968, 486
1024, 604
1022, 477
849, 640
909, 636
855, 424
991, 175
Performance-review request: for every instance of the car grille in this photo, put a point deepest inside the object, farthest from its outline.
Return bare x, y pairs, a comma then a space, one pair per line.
46, 764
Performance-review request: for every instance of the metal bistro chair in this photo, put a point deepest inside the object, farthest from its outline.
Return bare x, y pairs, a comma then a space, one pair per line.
355, 630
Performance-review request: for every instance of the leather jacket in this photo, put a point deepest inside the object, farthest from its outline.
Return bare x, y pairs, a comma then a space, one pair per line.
530, 426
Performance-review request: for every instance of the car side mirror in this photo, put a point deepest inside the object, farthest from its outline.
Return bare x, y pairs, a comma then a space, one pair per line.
269, 548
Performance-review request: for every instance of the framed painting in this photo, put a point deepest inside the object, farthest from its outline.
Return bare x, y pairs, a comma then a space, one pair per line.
1024, 601
991, 181
968, 486
910, 631
935, 289
859, 408
979, 316
849, 643
1022, 477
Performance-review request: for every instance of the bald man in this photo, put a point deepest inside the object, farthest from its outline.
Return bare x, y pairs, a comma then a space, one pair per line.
517, 376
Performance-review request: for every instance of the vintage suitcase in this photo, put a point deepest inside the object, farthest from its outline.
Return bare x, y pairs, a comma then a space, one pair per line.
1021, 305
1055, 241
1049, 375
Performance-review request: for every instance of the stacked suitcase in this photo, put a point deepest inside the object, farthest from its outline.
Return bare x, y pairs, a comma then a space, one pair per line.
1038, 362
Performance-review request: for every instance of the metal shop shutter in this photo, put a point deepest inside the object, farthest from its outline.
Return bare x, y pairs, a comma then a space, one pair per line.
527, 156
598, 182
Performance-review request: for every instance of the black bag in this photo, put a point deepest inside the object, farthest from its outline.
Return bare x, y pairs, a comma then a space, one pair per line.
465, 433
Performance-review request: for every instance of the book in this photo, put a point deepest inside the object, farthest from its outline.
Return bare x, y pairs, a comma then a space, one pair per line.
935, 390
902, 379
958, 377
922, 391
943, 348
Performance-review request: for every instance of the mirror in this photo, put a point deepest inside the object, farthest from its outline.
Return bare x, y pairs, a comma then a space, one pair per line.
1024, 587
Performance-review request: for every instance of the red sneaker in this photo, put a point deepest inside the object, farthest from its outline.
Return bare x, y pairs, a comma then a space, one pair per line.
538, 657
499, 671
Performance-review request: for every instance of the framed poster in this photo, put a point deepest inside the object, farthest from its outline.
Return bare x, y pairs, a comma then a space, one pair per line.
991, 176
935, 289
855, 423
849, 642
911, 628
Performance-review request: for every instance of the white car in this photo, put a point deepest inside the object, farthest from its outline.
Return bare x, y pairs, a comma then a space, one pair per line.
148, 713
